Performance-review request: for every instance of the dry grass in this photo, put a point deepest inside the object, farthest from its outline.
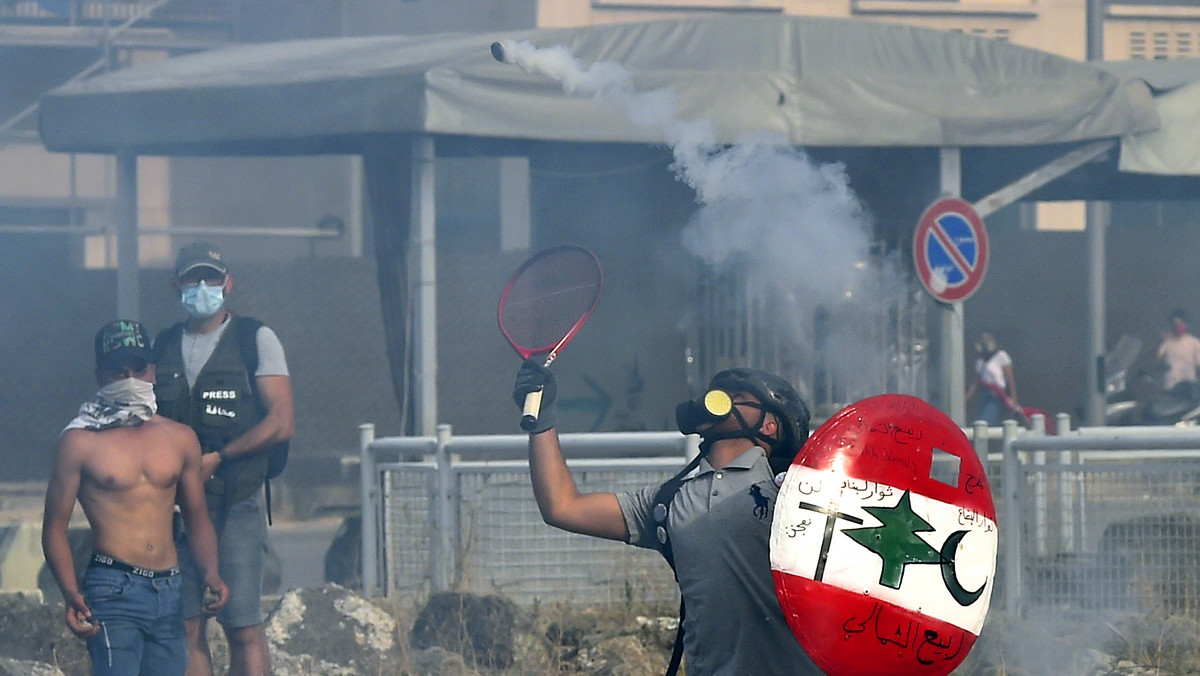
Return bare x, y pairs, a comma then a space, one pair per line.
553, 639
1065, 643
631, 639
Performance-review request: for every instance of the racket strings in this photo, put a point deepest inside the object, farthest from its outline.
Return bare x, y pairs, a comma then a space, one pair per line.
584, 292
548, 298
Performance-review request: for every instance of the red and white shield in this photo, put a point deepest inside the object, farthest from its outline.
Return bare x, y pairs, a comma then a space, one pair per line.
883, 544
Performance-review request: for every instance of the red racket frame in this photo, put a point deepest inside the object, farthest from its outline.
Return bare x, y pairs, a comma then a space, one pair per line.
551, 350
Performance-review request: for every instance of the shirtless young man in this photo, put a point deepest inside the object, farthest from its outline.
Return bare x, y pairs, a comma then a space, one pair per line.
128, 467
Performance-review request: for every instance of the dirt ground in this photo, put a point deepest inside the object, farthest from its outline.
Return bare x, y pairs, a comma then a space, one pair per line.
547, 641
560, 639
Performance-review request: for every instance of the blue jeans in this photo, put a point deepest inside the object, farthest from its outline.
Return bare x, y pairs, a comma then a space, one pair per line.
994, 410
141, 627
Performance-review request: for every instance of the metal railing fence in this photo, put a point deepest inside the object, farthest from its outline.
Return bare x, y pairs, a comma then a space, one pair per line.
1092, 518
1102, 519
458, 513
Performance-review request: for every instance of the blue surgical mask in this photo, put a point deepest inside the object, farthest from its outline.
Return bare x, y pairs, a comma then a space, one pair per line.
202, 300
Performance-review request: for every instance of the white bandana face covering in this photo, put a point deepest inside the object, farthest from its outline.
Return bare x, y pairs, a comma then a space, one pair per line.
118, 404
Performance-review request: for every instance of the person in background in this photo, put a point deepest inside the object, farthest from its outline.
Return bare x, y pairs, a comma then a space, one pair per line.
995, 383
1179, 353
128, 467
713, 526
239, 412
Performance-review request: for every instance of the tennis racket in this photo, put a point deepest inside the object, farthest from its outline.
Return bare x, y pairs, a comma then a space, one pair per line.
547, 300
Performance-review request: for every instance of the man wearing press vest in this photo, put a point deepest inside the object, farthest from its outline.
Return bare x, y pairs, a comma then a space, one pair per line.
226, 377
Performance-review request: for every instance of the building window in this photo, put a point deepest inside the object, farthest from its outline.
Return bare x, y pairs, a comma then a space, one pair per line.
1161, 44
998, 33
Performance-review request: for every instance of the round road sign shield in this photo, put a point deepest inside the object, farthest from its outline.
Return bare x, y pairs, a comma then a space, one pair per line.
950, 250
884, 540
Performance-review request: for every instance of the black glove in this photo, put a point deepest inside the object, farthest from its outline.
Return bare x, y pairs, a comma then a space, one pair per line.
532, 377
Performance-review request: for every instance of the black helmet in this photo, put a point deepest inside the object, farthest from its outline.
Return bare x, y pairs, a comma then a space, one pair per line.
776, 396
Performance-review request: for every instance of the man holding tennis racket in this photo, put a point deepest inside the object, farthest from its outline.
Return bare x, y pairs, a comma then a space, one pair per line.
713, 527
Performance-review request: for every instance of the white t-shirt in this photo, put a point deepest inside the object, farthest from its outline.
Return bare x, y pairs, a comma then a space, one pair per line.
991, 370
1182, 356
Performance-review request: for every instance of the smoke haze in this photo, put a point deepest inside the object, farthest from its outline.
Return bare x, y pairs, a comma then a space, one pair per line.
795, 232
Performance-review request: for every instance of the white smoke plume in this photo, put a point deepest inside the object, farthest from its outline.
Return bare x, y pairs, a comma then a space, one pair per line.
798, 237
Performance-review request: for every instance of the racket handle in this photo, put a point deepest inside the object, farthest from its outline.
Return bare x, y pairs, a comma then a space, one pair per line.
529, 413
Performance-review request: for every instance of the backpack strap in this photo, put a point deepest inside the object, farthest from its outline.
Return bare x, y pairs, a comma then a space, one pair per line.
677, 649
169, 335
662, 509
246, 333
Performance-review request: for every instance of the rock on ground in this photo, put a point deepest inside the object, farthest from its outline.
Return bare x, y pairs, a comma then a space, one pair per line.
36, 640
480, 628
332, 630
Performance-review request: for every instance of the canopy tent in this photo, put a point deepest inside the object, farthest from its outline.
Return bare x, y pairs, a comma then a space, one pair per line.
819, 81
992, 114
1174, 148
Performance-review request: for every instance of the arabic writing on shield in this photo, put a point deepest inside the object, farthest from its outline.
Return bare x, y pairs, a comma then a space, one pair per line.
897, 433
975, 483
924, 644
972, 517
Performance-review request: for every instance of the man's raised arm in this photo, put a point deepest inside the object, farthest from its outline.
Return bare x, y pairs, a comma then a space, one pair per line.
558, 498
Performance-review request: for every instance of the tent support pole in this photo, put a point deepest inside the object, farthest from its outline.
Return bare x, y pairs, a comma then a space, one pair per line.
950, 315
127, 237
1099, 215
424, 232
1039, 177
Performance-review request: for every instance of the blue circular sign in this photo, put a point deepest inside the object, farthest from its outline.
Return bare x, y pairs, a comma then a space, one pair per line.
950, 250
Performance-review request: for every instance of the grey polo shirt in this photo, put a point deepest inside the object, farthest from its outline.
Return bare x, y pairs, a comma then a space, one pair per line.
720, 527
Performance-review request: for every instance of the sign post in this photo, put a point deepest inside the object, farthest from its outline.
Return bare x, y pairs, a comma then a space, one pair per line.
950, 252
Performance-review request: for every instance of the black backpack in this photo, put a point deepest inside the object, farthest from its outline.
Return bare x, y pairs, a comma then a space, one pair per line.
247, 331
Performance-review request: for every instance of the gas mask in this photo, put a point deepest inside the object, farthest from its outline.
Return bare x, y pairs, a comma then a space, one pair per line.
713, 407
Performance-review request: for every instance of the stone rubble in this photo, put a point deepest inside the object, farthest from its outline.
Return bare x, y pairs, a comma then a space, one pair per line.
334, 631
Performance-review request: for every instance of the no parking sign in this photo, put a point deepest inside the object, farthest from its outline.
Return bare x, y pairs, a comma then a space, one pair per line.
950, 249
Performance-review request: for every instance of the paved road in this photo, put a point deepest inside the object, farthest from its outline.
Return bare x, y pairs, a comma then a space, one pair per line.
301, 547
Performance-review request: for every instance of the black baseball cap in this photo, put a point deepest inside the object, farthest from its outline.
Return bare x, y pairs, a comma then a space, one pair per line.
121, 341
199, 254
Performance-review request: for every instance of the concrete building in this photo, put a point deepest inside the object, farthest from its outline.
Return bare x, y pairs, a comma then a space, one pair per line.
1133, 29
46, 42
